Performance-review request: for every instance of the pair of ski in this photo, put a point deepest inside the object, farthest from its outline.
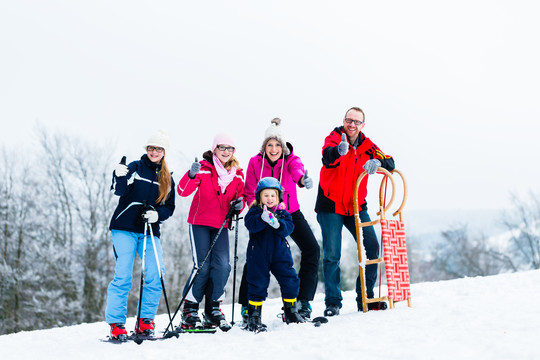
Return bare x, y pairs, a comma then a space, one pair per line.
206, 328
316, 322
136, 338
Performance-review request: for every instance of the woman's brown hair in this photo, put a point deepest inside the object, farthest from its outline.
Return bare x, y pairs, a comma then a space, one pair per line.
164, 180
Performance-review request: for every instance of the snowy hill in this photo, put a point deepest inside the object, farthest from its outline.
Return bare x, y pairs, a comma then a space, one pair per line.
473, 318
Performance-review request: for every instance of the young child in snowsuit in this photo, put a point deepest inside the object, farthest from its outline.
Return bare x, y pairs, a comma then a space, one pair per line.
268, 251
146, 191
219, 184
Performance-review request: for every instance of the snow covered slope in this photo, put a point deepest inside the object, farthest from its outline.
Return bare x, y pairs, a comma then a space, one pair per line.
474, 318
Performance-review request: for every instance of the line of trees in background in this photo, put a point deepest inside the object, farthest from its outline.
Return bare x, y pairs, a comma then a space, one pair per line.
463, 254
56, 256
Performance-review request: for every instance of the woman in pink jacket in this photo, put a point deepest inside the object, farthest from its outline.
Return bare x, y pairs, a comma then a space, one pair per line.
219, 182
276, 159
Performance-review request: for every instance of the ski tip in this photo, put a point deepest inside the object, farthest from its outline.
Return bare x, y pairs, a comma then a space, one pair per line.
170, 334
320, 319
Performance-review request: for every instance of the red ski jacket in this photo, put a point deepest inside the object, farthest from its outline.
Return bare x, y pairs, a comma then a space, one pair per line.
209, 205
339, 173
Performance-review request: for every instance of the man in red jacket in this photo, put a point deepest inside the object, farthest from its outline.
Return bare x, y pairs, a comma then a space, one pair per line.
346, 153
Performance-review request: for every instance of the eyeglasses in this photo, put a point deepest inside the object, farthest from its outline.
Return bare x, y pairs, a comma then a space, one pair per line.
152, 148
356, 122
223, 148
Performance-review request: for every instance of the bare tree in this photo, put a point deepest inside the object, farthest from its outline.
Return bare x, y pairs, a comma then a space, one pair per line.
461, 255
523, 222
19, 196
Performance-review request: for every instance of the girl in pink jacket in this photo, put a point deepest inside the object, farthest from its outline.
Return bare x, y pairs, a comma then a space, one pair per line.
219, 182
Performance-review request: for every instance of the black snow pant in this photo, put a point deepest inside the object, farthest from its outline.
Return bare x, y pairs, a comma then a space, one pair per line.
309, 261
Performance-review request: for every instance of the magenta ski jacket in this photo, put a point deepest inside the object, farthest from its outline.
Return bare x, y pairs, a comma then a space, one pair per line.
288, 171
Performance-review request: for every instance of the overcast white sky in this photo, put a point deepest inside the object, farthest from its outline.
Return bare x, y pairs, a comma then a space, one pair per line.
450, 89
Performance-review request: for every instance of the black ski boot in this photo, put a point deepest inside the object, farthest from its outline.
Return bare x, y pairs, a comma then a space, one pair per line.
245, 316
331, 310
305, 309
254, 318
379, 305
190, 316
291, 314
214, 317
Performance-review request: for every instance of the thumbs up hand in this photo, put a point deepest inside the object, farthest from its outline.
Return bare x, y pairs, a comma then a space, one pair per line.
269, 218
195, 168
343, 146
121, 169
307, 181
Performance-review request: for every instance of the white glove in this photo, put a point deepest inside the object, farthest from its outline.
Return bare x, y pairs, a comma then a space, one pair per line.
308, 182
121, 170
269, 218
371, 166
195, 168
151, 216
343, 146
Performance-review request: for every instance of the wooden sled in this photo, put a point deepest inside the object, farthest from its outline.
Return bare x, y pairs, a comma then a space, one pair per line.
393, 244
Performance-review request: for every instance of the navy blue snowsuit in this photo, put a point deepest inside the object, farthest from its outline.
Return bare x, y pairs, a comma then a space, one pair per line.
268, 251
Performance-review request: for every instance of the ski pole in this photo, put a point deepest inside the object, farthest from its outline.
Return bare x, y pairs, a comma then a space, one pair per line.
227, 218
234, 268
171, 333
142, 283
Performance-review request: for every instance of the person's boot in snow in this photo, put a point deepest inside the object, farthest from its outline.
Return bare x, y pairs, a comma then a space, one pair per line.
305, 308
213, 314
190, 316
146, 327
291, 314
379, 305
118, 332
254, 318
245, 316
331, 310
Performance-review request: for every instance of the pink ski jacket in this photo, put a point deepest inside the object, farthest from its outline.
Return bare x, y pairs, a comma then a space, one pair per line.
209, 206
288, 172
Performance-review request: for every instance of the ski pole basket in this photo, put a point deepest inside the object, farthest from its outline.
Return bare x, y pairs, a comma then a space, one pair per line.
393, 244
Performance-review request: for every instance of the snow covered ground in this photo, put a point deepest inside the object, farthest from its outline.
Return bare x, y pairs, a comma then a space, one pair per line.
493, 317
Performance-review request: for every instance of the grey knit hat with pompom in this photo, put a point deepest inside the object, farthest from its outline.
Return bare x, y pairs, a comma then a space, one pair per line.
274, 132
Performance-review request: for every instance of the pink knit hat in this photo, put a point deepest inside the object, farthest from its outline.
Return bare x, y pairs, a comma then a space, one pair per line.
222, 139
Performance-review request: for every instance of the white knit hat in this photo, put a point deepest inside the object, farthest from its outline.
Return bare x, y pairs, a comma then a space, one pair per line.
274, 132
222, 139
160, 139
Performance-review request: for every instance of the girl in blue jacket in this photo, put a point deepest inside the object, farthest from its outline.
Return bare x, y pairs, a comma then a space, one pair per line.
268, 251
146, 190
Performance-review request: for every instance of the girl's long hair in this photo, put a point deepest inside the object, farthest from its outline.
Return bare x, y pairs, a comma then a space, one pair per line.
232, 162
164, 180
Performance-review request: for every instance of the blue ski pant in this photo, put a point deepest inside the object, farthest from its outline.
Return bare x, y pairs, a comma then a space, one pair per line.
216, 269
331, 228
126, 244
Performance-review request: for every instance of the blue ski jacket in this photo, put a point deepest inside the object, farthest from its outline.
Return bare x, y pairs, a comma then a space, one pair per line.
138, 188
